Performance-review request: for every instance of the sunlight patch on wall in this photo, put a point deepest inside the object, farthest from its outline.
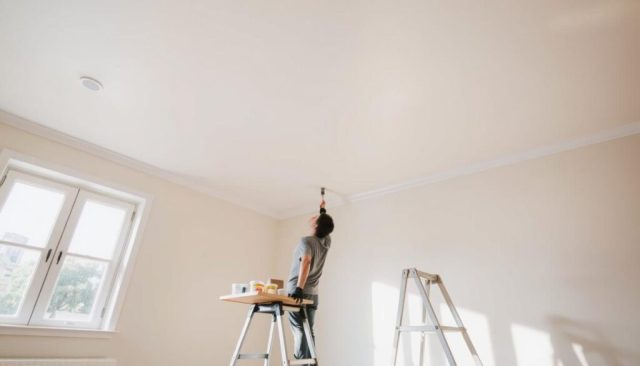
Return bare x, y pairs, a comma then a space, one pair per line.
384, 304
579, 350
384, 311
413, 316
533, 347
478, 327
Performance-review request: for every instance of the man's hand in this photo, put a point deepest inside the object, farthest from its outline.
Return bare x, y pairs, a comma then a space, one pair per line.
297, 295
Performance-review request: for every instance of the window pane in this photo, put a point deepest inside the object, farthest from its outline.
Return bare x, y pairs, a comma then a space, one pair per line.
17, 267
98, 230
29, 214
76, 289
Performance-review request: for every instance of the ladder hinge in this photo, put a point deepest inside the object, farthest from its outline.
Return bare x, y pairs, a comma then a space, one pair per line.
133, 216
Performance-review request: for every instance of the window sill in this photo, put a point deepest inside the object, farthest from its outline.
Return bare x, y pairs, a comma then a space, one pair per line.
24, 330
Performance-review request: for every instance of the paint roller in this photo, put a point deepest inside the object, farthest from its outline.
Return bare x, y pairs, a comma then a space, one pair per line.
322, 209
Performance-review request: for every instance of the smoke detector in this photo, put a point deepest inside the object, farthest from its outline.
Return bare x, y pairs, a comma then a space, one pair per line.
91, 83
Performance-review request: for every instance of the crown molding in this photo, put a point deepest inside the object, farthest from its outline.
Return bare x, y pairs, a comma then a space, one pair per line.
572, 144
481, 166
48, 133
473, 168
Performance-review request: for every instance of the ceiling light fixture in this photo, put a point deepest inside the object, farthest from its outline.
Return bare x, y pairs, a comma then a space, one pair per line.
91, 83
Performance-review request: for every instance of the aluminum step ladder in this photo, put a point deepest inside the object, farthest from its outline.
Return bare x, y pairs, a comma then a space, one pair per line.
276, 310
423, 282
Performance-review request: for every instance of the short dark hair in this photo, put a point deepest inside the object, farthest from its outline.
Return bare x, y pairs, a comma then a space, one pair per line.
324, 225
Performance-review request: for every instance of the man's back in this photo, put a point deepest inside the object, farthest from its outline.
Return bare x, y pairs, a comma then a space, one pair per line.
317, 249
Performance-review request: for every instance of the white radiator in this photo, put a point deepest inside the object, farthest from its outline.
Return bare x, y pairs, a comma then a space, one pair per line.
58, 362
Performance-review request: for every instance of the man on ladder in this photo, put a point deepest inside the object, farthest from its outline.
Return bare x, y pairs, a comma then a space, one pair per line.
306, 269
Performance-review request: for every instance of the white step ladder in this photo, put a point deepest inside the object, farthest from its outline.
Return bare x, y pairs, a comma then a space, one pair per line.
277, 311
423, 282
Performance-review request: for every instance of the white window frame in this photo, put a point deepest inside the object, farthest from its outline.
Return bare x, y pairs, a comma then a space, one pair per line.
38, 316
140, 203
47, 252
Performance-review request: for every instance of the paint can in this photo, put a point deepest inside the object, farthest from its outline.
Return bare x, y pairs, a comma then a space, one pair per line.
256, 286
271, 289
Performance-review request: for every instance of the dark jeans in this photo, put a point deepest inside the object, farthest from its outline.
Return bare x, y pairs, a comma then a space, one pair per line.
296, 320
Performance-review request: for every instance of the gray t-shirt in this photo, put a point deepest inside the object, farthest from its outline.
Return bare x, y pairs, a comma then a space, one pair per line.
316, 248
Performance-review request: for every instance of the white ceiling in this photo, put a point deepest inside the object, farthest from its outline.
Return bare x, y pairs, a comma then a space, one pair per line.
262, 102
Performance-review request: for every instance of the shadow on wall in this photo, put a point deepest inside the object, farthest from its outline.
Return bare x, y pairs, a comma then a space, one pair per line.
568, 343
577, 344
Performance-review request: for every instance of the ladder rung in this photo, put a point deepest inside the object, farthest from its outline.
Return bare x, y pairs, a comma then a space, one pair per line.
306, 361
428, 328
417, 328
253, 356
452, 329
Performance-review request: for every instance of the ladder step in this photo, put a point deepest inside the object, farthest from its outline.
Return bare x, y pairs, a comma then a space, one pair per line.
452, 329
253, 356
305, 361
428, 328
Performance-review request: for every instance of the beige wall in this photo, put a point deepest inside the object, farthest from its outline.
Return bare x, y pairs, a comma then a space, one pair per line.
540, 255
194, 247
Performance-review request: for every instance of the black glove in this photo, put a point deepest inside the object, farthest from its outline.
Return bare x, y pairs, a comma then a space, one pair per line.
296, 295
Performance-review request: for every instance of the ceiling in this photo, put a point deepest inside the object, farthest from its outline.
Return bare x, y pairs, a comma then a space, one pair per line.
262, 102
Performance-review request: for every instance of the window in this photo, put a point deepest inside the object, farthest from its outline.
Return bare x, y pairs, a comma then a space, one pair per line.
62, 251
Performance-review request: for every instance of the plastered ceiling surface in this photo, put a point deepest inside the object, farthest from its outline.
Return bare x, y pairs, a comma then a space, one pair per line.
263, 102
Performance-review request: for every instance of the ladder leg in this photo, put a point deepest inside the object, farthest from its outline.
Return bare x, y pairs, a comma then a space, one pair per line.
283, 343
403, 292
307, 333
270, 342
434, 319
459, 323
424, 321
243, 335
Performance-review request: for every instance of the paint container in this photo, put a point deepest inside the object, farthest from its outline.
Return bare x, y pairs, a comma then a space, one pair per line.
239, 288
256, 286
271, 289
282, 292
